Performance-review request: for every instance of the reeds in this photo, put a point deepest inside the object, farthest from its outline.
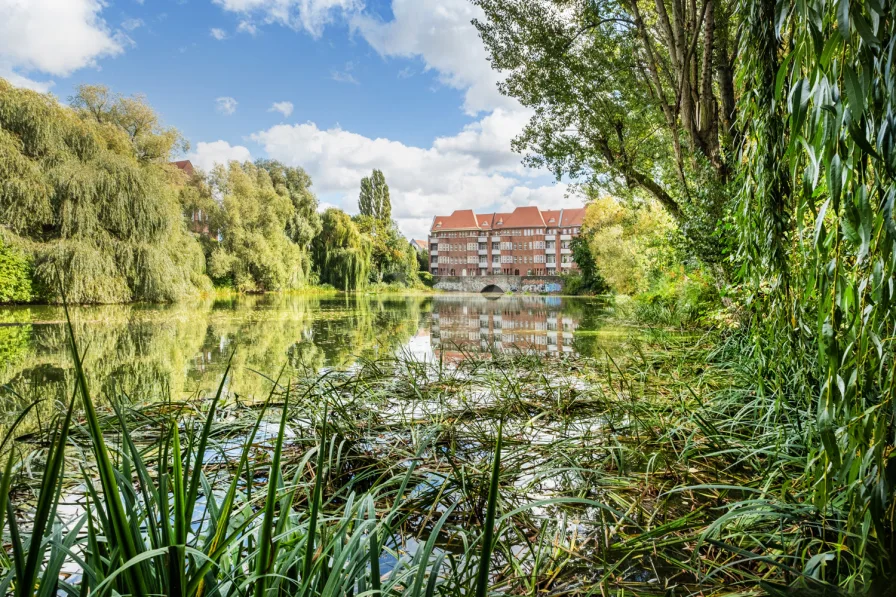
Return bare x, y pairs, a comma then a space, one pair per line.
650, 475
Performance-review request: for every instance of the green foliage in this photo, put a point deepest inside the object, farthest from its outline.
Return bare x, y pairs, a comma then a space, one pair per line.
304, 223
87, 194
634, 98
629, 242
374, 199
589, 281
392, 256
342, 254
817, 246
255, 251
678, 298
15, 275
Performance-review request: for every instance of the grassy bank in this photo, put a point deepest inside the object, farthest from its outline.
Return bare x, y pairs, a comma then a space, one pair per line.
664, 472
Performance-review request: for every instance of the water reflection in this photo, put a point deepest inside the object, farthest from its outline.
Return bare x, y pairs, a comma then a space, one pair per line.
150, 352
463, 326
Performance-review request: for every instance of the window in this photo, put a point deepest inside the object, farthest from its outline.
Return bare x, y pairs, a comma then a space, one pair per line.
551, 259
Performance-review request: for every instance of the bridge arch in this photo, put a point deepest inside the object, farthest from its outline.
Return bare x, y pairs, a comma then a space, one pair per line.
492, 289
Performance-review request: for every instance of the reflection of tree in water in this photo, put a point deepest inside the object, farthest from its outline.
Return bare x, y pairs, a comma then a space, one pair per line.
143, 353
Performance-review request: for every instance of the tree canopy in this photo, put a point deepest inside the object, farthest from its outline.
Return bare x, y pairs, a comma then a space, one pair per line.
341, 252
89, 198
374, 199
255, 250
628, 96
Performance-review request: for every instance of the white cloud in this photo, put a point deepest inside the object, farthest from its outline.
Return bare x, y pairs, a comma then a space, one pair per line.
284, 108
310, 15
456, 172
247, 27
218, 34
56, 37
132, 24
439, 32
344, 77
217, 152
226, 105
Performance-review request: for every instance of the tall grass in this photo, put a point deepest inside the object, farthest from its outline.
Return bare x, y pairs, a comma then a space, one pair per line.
654, 473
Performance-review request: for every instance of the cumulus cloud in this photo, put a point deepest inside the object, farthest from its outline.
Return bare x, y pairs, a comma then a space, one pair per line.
207, 155
439, 32
218, 34
226, 105
454, 173
55, 37
309, 15
284, 108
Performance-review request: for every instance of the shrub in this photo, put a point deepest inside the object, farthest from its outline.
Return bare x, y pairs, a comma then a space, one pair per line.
15, 275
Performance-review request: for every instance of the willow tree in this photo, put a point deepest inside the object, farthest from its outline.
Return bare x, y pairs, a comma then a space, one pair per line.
630, 96
255, 252
818, 247
341, 252
85, 203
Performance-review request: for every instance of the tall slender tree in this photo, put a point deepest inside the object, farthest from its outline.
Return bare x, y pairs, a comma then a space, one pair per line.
374, 199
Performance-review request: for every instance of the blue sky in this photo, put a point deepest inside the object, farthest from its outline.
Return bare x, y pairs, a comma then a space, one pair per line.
336, 86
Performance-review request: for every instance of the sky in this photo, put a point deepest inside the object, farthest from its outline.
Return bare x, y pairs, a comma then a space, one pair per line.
338, 87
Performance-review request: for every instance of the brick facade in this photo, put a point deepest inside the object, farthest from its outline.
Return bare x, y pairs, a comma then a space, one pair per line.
526, 242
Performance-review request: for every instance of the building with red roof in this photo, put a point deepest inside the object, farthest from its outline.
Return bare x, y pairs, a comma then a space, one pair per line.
525, 242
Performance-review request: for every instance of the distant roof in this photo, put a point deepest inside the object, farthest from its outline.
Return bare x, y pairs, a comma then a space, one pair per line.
573, 217
185, 165
522, 217
461, 219
421, 244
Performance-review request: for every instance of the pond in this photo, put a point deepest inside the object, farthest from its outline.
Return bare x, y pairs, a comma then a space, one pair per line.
134, 350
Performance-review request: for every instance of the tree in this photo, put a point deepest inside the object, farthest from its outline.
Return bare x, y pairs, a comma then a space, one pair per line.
628, 96
304, 223
82, 200
374, 198
592, 281
149, 139
255, 251
341, 252
627, 241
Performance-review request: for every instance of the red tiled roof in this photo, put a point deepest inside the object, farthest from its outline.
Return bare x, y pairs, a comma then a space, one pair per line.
573, 217
551, 214
185, 165
485, 220
523, 217
500, 220
461, 219
421, 244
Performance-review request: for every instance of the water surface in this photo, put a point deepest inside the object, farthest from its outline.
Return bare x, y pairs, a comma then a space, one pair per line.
136, 350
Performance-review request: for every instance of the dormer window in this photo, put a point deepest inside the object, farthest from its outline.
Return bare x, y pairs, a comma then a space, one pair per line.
438, 224
552, 221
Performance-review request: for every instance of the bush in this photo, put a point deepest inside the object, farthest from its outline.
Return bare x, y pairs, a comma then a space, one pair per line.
15, 275
678, 298
426, 278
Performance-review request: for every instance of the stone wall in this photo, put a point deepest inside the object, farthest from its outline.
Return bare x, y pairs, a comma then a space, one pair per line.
532, 284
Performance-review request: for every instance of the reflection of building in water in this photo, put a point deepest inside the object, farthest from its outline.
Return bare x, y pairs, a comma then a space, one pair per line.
529, 324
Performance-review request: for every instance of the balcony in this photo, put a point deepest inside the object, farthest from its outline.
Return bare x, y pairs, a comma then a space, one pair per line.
566, 265
433, 252
566, 251
551, 250
496, 239
483, 251
565, 237
483, 239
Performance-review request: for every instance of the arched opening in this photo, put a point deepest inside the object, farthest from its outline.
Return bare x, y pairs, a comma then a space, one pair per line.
516, 272
492, 289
